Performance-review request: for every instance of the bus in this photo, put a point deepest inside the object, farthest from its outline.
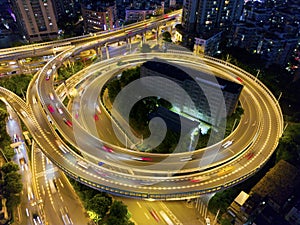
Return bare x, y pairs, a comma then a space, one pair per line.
166, 218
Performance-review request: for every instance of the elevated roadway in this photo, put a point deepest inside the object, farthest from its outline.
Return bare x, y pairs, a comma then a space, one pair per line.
165, 176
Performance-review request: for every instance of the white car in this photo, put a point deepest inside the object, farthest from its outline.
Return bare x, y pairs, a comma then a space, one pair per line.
51, 96
227, 144
60, 111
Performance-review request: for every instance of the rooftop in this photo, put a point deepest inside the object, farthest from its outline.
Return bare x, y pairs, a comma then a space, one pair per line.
279, 183
172, 71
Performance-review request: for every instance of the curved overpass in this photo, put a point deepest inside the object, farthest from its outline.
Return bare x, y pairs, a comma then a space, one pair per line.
61, 45
156, 184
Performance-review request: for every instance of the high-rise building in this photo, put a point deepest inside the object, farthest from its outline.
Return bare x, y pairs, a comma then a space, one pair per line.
271, 32
69, 8
203, 17
36, 19
99, 15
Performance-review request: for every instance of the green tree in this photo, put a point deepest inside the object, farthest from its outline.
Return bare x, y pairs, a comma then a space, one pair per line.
13, 200
118, 209
114, 87
225, 221
99, 204
9, 167
12, 184
113, 220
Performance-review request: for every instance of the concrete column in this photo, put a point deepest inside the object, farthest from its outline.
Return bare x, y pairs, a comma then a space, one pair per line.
20, 65
156, 34
107, 52
128, 42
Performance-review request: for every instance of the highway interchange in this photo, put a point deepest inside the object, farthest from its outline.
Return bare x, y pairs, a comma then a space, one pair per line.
120, 173
121, 180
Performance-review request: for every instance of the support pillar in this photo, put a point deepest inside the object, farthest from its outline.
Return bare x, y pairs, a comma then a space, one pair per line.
99, 52
107, 52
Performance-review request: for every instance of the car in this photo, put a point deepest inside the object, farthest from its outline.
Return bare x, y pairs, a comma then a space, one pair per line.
59, 109
96, 117
142, 158
249, 155
29, 193
51, 96
27, 212
154, 214
97, 107
16, 138
227, 144
68, 122
50, 108
199, 179
23, 164
107, 149
24, 114
49, 119
239, 79
34, 100
76, 114
187, 158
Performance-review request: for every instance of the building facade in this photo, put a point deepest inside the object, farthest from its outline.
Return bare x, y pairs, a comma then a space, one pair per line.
269, 29
207, 45
99, 16
36, 19
202, 16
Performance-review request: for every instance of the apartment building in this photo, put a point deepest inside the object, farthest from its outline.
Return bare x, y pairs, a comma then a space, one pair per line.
36, 19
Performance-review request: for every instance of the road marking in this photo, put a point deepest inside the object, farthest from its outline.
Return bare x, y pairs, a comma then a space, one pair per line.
170, 214
139, 204
43, 190
147, 216
62, 185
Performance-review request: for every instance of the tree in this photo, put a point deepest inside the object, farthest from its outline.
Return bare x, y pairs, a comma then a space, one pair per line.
9, 167
7, 150
13, 200
12, 184
118, 209
99, 204
113, 220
